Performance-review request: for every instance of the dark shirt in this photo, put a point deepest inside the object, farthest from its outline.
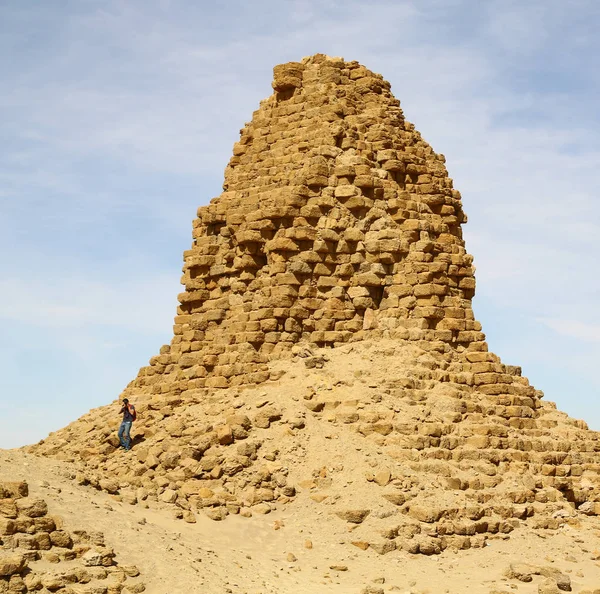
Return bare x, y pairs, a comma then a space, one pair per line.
127, 416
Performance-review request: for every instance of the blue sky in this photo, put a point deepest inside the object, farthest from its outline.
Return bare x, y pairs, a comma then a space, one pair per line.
119, 118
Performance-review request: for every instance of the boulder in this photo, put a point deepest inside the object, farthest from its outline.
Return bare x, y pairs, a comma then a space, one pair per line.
11, 564
354, 516
32, 507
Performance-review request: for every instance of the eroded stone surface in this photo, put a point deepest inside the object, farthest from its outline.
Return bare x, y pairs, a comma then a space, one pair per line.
34, 541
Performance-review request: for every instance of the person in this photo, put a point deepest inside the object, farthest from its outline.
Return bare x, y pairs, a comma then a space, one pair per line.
129, 415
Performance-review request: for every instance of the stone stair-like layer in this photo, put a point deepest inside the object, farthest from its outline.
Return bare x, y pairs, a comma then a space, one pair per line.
38, 554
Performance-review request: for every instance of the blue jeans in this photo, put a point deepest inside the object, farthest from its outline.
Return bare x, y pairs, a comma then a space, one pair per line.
124, 436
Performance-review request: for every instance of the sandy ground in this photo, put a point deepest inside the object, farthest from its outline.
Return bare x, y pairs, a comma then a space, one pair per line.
269, 554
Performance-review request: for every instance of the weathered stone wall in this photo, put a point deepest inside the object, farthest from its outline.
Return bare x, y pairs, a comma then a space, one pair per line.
37, 554
337, 223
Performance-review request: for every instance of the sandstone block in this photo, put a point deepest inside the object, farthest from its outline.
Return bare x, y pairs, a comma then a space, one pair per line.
109, 485
425, 513
32, 507
7, 526
397, 498
13, 489
8, 508
548, 587
383, 547
314, 405
60, 538
216, 513
11, 564
42, 541
168, 496
353, 516
382, 477
92, 558
224, 434
429, 546
266, 416
189, 517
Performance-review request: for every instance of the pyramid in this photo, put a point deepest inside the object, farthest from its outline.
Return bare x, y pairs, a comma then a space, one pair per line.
337, 223
326, 313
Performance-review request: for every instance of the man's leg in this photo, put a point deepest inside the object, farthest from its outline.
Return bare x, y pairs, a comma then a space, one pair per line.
121, 431
127, 436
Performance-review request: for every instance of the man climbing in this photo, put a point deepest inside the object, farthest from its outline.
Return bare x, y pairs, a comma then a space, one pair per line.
129, 416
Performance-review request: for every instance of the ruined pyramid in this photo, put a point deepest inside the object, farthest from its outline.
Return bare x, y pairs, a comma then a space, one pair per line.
327, 318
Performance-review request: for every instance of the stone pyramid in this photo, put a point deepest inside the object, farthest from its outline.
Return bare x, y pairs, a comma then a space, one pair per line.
327, 313
337, 223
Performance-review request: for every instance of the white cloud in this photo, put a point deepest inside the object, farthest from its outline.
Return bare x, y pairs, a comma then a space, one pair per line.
574, 329
139, 305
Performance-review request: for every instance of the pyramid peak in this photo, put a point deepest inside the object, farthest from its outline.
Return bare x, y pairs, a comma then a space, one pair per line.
337, 223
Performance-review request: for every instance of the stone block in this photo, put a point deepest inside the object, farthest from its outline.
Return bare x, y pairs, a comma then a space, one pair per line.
32, 507
13, 489
11, 564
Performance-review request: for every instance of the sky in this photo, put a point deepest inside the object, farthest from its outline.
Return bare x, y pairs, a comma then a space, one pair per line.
118, 118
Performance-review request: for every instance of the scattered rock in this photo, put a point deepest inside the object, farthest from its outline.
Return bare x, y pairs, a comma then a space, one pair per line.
354, 516
548, 586
189, 517
216, 513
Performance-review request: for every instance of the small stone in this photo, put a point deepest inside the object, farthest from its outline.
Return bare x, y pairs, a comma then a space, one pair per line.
291, 557
319, 497
354, 516
382, 477
189, 517
216, 513
521, 571
109, 485
548, 586
92, 558
168, 496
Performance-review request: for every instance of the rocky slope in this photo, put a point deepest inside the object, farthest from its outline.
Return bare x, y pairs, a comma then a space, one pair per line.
38, 553
371, 432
